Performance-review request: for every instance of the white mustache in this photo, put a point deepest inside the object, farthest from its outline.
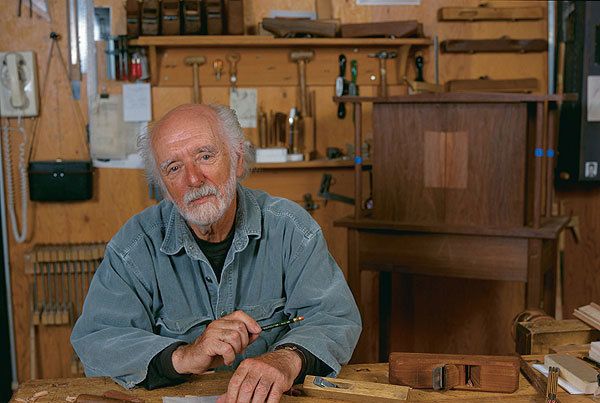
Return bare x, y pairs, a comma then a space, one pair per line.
197, 193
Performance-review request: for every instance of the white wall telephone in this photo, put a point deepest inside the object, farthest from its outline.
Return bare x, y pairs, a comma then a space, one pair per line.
18, 98
18, 84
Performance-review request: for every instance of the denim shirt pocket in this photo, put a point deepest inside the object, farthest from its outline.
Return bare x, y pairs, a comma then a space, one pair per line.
265, 313
186, 329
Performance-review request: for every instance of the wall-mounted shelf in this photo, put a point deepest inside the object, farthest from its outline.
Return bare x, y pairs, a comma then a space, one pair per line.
269, 41
166, 54
307, 164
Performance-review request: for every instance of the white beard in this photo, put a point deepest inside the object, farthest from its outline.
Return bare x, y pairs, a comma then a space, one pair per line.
210, 212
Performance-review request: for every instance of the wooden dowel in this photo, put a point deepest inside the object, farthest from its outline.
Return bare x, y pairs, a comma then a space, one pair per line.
357, 159
550, 158
538, 157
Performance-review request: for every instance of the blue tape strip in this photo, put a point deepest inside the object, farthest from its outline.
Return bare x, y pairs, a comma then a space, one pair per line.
358, 160
539, 152
550, 153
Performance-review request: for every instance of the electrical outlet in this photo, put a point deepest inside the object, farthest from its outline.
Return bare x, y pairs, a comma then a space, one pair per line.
18, 84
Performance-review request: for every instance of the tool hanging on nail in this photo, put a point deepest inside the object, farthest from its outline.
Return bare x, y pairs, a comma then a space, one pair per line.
383, 56
341, 86
195, 62
233, 59
20, 6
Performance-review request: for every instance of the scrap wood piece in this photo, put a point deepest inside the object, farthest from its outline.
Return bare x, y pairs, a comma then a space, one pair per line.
537, 380
483, 13
485, 84
395, 29
291, 27
501, 45
354, 391
575, 371
589, 314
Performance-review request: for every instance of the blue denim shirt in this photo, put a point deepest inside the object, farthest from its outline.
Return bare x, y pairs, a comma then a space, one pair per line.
155, 287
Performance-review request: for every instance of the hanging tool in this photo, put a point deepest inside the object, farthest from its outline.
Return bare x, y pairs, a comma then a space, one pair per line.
233, 59
218, 68
195, 62
302, 58
30, 8
74, 53
341, 86
383, 56
352, 86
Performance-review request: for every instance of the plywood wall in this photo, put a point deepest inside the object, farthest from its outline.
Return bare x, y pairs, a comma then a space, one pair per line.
118, 194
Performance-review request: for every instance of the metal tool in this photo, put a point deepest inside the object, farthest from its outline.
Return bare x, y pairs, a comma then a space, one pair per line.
233, 59
383, 56
302, 58
195, 62
30, 8
419, 63
353, 86
294, 135
218, 68
341, 86
324, 383
324, 191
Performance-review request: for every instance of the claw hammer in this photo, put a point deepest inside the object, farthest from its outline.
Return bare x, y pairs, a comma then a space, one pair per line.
195, 62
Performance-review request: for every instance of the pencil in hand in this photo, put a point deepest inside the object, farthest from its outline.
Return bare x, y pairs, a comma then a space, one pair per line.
283, 323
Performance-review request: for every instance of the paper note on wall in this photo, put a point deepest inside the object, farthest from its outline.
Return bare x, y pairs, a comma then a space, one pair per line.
593, 99
243, 102
137, 103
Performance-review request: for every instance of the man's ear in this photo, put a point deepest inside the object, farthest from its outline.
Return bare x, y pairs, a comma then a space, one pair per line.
239, 169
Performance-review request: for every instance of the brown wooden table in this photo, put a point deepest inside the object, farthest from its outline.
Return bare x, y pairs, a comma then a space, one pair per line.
216, 384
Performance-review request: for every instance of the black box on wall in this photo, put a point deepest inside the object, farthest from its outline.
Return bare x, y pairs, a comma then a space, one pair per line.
579, 133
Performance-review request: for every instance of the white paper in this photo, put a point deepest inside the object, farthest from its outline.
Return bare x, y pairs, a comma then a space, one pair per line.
131, 161
243, 102
593, 99
564, 384
106, 139
137, 103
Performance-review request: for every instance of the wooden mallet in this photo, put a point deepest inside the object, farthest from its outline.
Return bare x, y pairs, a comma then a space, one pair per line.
195, 62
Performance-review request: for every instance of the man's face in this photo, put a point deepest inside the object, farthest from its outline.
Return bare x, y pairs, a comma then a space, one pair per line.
196, 166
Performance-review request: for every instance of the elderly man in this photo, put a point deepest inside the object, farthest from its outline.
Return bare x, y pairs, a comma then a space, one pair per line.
186, 285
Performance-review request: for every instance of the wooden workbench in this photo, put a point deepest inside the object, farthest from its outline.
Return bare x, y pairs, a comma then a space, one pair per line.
216, 384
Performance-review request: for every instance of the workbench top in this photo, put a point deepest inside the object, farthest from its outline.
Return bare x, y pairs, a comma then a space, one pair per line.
216, 384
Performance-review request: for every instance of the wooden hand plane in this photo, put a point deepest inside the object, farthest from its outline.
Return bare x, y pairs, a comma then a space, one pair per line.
484, 373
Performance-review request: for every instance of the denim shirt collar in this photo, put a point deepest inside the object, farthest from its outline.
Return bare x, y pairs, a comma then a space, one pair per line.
248, 220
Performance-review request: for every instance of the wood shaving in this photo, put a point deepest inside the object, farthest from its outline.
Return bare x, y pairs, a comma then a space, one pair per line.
71, 399
40, 394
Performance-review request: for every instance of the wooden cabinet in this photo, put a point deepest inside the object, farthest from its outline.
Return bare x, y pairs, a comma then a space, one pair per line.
460, 186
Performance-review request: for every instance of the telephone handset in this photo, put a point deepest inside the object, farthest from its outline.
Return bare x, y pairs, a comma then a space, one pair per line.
18, 85
14, 65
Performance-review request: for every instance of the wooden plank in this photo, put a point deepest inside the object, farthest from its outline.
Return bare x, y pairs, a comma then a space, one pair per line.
486, 13
575, 371
446, 255
489, 85
494, 45
540, 337
267, 41
355, 391
548, 230
459, 97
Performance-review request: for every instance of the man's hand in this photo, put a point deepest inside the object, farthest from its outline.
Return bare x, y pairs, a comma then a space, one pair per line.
263, 378
218, 344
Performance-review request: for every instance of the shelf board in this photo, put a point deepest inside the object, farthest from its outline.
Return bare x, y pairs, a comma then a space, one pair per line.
269, 41
306, 164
